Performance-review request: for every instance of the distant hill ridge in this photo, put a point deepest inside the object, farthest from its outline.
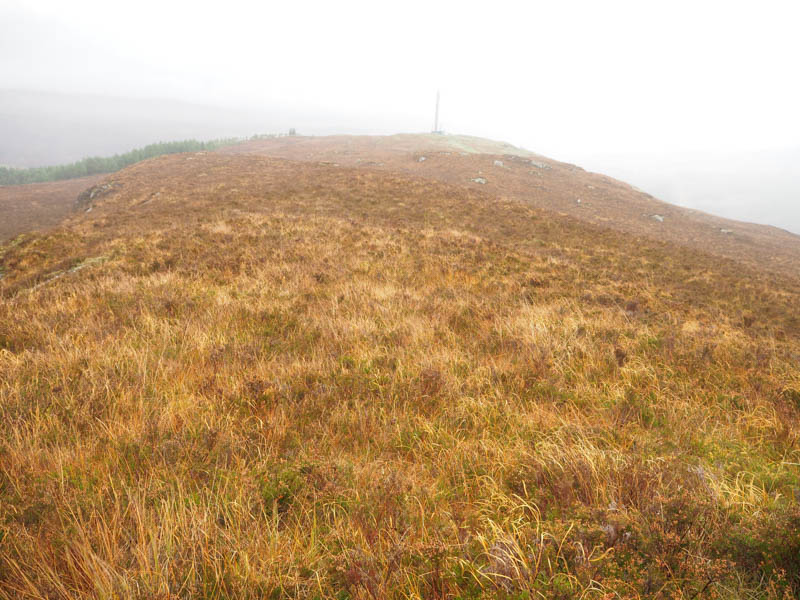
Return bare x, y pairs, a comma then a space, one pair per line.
542, 182
498, 168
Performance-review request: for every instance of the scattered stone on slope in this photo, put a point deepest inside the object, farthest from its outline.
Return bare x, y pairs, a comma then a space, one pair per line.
659, 218
87, 196
480, 180
517, 159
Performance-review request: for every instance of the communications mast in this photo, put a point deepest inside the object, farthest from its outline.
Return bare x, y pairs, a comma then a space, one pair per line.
436, 116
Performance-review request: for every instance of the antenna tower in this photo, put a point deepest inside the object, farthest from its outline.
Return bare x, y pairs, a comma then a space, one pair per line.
436, 117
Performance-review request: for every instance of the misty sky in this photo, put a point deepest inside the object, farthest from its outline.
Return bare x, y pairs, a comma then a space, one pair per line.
573, 80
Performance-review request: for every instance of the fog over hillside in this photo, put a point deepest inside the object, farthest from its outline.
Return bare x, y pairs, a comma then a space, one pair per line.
38, 129
47, 128
759, 187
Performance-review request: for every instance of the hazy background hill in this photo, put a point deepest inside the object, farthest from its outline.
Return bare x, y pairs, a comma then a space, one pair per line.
48, 128
39, 128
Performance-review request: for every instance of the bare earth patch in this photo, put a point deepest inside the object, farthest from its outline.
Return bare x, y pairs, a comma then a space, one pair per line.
39, 205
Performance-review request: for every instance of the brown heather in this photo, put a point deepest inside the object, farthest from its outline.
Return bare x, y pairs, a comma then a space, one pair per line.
245, 377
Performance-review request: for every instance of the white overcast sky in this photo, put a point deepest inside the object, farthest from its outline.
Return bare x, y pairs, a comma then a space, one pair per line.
564, 78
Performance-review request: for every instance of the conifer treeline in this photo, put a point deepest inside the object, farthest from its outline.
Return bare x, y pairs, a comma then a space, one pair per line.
96, 164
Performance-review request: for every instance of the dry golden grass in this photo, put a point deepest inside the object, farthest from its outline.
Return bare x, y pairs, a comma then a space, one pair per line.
241, 377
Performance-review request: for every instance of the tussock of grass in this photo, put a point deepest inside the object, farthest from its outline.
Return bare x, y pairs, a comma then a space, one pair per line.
286, 380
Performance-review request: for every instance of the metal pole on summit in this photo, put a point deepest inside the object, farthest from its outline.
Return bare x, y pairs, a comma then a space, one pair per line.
436, 118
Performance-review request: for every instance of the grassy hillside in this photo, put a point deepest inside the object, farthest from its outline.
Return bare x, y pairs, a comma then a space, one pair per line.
244, 377
508, 172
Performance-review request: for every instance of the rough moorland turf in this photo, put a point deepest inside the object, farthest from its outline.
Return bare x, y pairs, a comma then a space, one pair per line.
241, 377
